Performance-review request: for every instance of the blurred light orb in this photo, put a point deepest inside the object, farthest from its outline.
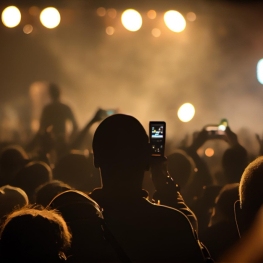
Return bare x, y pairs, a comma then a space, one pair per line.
11, 16
131, 20
101, 11
186, 112
191, 16
112, 13
50, 17
174, 21
209, 152
260, 71
156, 32
110, 30
28, 29
151, 14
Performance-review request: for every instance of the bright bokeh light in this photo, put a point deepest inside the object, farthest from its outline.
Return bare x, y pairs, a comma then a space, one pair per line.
156, 32
110, 30
191, 16
174, 21
50, 17
186, 112
131, 20
209, 152
260, 71
151, 14
11, 16
28, 29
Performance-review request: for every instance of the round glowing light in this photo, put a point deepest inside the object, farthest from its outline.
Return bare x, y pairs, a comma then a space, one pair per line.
151, 14
186, 112
11, 16
28, 29
131, 20
209, 152
112, 13
174, 21
110, 30
50, 17
260, 71
101, 11
156, 32
191, 16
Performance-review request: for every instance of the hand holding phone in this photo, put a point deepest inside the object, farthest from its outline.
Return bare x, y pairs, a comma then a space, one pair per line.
157, 132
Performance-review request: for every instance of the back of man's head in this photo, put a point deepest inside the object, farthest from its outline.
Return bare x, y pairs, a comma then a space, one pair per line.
54, 91
251, 190
120, 142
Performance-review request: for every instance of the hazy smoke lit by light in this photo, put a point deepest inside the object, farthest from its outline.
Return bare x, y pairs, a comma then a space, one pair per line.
174, 21
260, 71
209, 152
50, 17
156, 32
186, 112
131, 20
11, 16
151, 14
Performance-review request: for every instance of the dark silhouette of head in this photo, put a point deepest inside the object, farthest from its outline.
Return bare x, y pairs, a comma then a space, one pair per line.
31, 176
75, 169
250, 193
234, 161
181, 167
34, 235
54, 91
47, 191
12, 159
121, 150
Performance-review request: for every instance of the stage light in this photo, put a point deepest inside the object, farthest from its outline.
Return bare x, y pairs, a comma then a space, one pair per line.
156, 32
151, 14
191, 16
50, 17
209, 152
174, 21
131, 20
110, 30
28, 29
186, 112
260, 71
11, 16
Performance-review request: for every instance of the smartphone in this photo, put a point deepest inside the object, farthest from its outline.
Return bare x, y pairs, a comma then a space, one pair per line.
215, 130
157, 131
223, 124
110, 112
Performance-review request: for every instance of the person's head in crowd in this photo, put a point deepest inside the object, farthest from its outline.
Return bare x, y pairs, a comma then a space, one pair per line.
224, 204
11, 198
250, 194
34, 235
234, 162
121, 151
75, 169
31, 176
54, 91
181, 167
47, 191
84, 217
12, 159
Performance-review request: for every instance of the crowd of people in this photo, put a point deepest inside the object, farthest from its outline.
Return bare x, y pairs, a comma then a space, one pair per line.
59, 202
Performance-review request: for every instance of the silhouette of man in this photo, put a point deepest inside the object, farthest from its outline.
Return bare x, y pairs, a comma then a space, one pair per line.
56, 114
147, 232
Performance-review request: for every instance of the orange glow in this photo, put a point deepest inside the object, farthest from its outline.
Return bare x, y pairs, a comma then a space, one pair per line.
112, 13
151, 14
156, 32
191, 16
101, 11
110, 30
28, 29
209, 152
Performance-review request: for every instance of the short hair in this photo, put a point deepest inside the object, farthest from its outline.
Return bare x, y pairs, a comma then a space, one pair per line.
251, 186
34, 234
120, 140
